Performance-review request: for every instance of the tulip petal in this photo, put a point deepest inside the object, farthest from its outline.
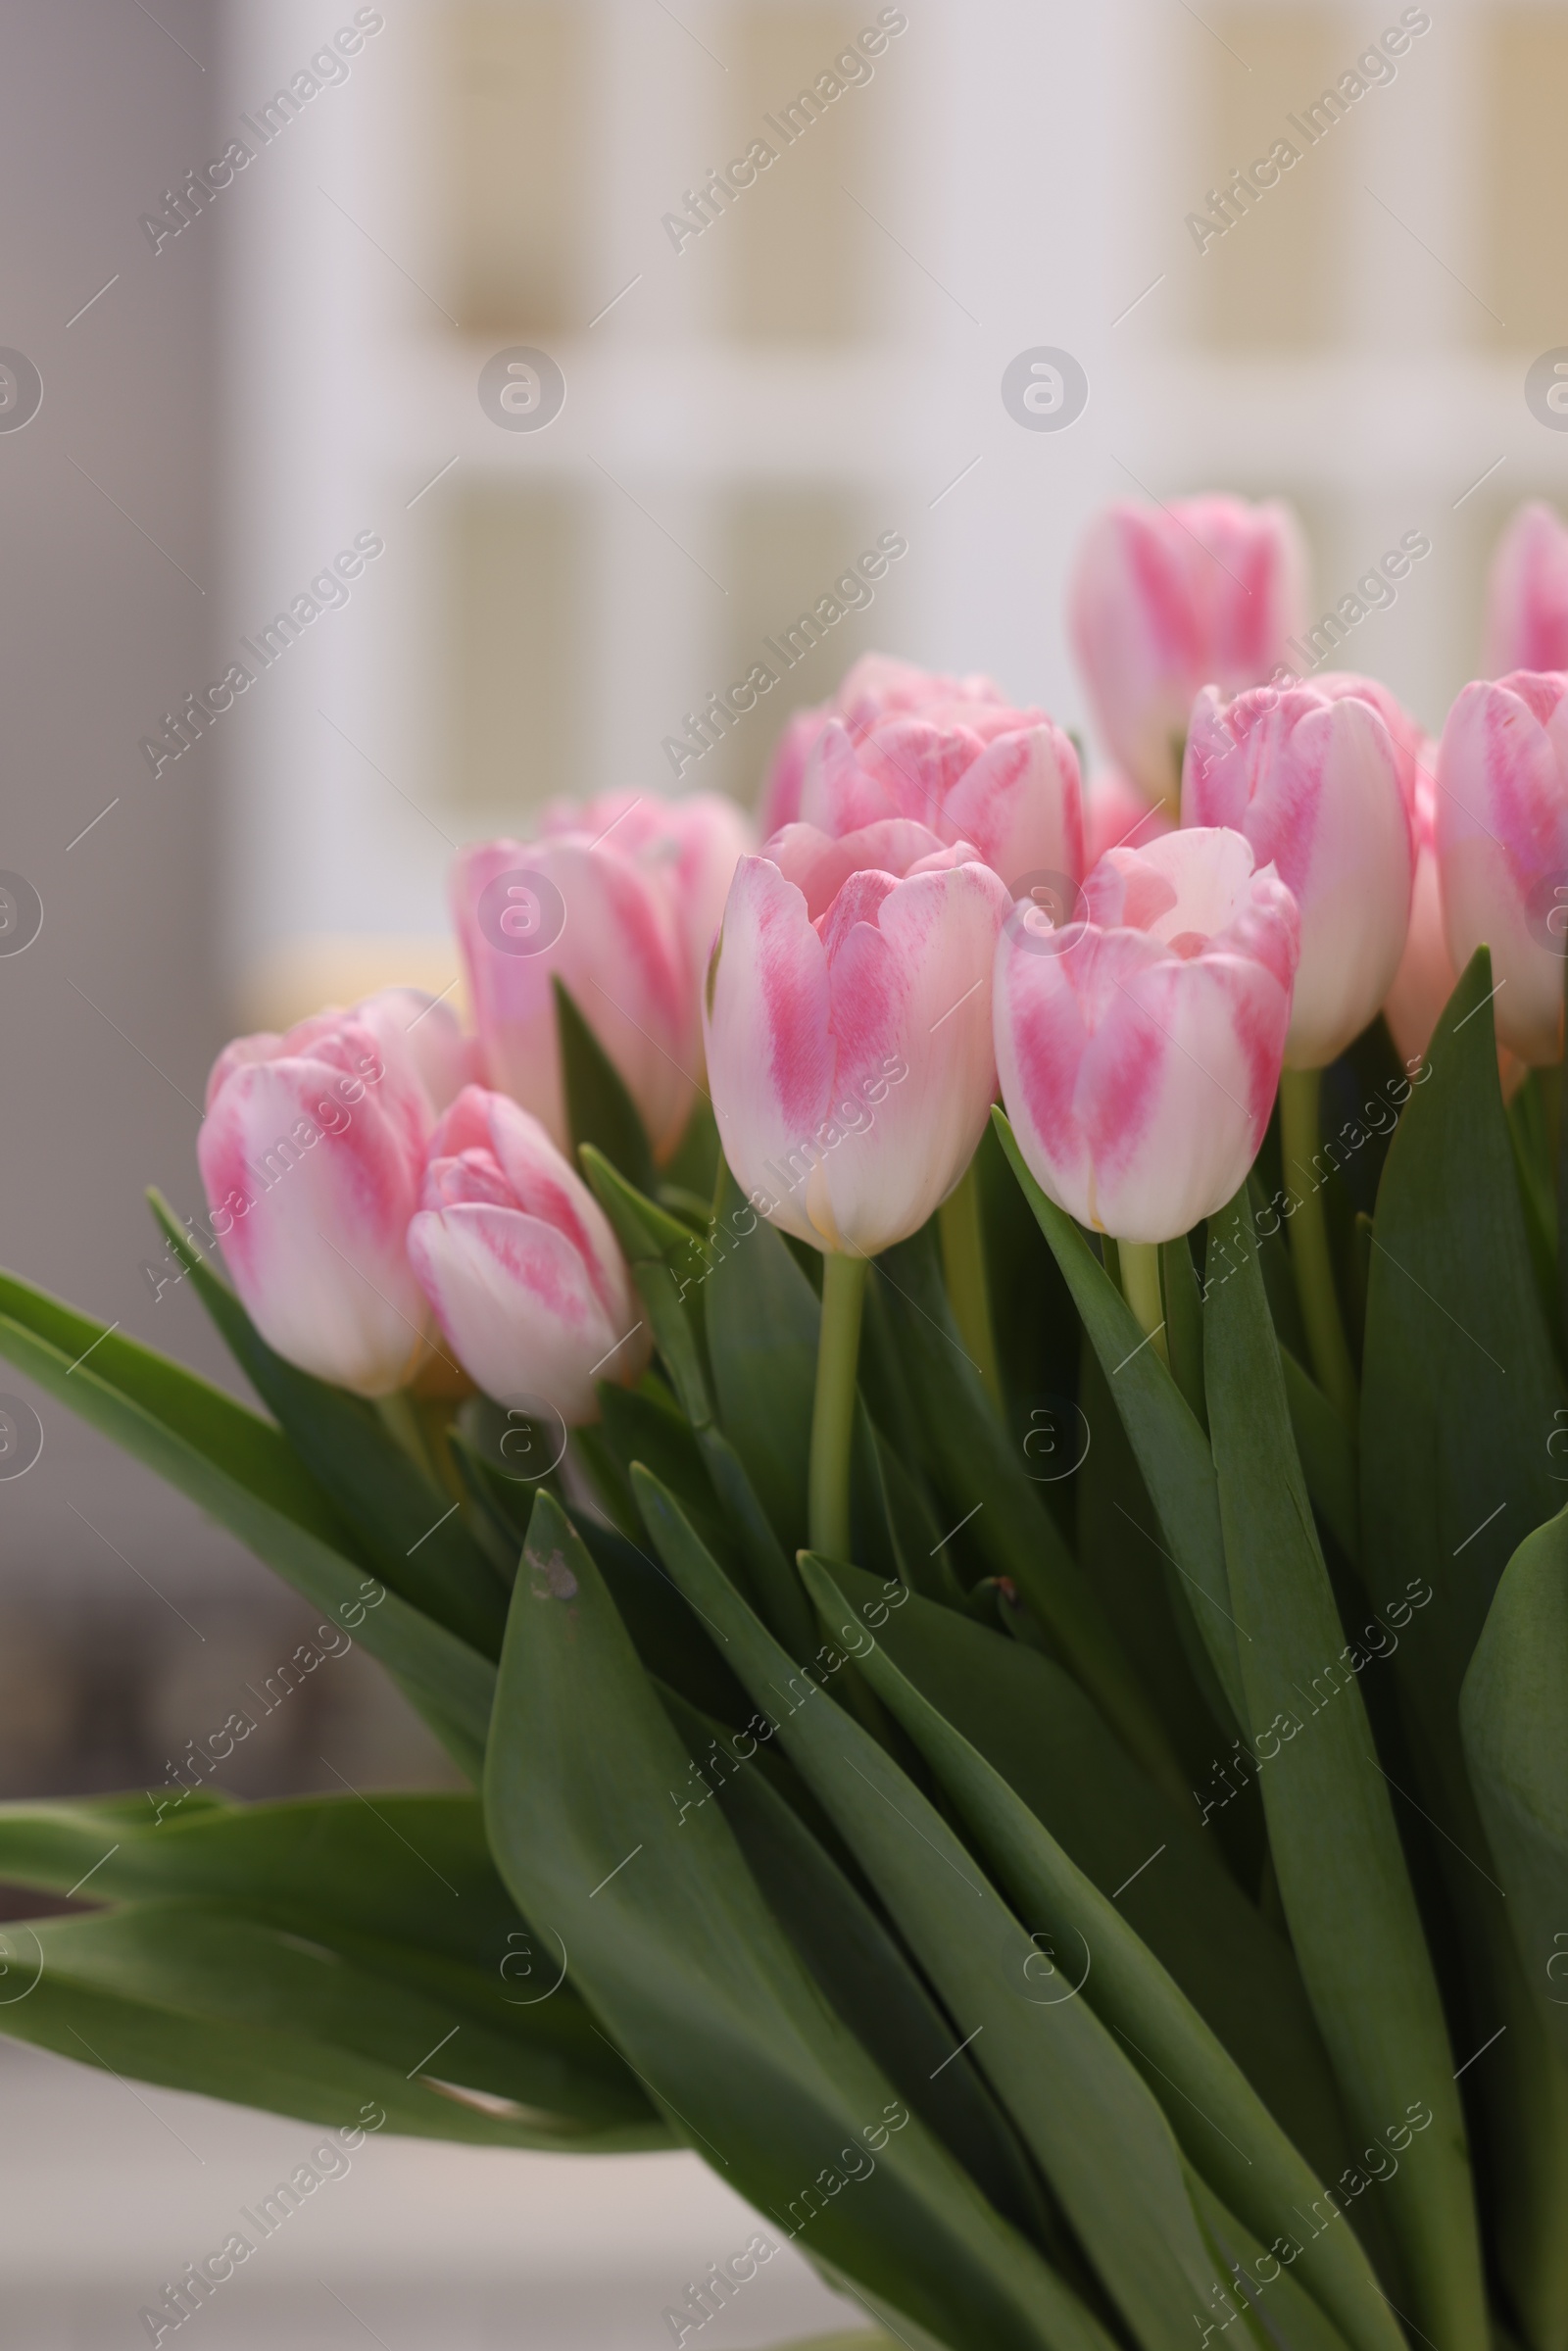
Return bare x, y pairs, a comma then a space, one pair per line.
314, 1199
476, 1260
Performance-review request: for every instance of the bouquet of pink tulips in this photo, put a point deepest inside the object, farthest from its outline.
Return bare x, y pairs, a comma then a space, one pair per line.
956, 1420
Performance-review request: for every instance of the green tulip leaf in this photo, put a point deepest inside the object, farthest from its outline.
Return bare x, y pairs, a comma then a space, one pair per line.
1347, 1894
983, 1472
244, 1473
424, 1553
1516, 1746
1080, 2105
673, 1945
1172, 1450
1222, 2123
599, 1109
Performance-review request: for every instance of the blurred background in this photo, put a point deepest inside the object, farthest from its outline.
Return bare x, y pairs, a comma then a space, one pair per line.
215, 374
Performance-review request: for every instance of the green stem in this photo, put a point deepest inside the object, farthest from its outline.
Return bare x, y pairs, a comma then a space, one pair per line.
833, 1414
1140, 1287
401, 1418
964, 1265
1310, 1254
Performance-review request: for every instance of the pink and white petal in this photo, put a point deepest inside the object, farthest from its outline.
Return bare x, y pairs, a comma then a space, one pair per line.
916, 993
767, 1030
1020, 802
515, 1304
318, 1253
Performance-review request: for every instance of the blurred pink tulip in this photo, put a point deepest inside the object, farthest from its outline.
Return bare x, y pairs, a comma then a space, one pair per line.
1501, 831
1312, 778
1165, 599
1004, 779
877, 687
1139, 1050
1116, 815
520, 1263
692, 844
1424, 979
850, 1056
1526, 595
310, 1154
525, 911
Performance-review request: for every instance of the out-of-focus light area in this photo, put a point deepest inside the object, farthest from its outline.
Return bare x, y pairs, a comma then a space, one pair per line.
278, 431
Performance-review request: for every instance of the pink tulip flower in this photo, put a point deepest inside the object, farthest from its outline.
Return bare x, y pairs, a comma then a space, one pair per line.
1426, 977
1501, 833
525, 911
1312, 778
1167, 598
692, 845
1004, 779
519, 1264
1139, 1048
1526, 595
850, 1056
1412, 745
310, 1154
819, 864
877, 687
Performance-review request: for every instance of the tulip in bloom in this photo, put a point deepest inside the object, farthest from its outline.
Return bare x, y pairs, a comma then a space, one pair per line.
311, 1153
1312, 778
849, 1055
877, 686
1526, 595
1503, 848
592, 912
692, 845
1006, 780
1139, 1050
519, 1264
1167, 598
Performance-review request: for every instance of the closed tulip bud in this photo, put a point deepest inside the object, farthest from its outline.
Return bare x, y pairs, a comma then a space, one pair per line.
1526, 595
311, 1153
527, 910
691, 845
1140, 1048
1165, 599
850, 1056
519, 1264
1501, 830
1424, 979
1006, 780
877, 687
1311, 776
